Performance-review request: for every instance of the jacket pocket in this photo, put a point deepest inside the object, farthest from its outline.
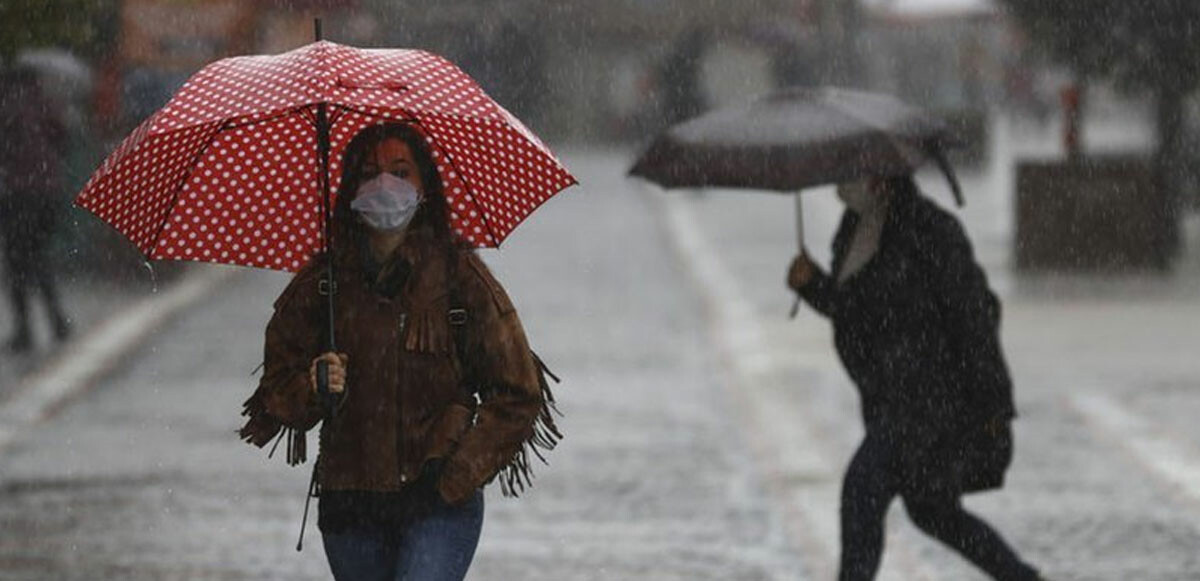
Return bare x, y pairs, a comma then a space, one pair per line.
446, 432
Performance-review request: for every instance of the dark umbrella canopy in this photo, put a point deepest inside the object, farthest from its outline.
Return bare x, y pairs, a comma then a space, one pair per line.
796, 138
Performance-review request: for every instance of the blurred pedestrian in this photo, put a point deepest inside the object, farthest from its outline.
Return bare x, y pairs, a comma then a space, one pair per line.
31, 142
438, 390
917, 329
679, 77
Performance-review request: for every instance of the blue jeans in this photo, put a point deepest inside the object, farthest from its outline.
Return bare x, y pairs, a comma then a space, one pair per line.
438, 547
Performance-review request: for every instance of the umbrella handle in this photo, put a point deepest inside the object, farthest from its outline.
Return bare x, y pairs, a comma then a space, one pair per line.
800, 245
799, 223
328, 399
939, 157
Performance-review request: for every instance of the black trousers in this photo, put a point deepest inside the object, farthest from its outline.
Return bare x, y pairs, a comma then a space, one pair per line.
874, 478
27, 221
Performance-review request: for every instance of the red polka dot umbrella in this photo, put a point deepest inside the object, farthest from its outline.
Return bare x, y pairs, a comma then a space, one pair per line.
229, 170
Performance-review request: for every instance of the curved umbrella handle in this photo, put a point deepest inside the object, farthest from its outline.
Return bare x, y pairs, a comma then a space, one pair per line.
800, 246
939, 157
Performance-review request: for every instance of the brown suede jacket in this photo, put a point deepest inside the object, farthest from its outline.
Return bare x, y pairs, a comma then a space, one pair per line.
408, 398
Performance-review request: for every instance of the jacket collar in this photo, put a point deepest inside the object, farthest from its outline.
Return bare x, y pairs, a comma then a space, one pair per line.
420, 257
899, 221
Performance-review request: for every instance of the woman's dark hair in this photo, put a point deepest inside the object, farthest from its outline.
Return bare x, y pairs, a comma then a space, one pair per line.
434, 213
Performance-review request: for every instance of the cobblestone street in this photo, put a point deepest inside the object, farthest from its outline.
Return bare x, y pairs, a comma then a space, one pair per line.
705, 432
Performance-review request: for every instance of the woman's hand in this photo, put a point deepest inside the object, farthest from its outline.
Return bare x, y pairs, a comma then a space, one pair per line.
996, 426
337, 371
800, 272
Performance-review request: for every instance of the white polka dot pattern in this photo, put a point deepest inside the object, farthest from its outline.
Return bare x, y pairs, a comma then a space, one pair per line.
227, 170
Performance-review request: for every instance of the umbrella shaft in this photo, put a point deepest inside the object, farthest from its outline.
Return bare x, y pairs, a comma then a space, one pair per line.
327, 211
799, 222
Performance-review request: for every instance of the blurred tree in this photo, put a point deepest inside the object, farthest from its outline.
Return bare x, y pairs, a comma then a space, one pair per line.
86, 27
1143, 45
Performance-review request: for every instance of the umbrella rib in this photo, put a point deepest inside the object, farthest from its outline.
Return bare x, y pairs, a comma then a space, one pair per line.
280, 115
248, 120
335, 114
227, 125
352, 109
179, 189
487, 224
415, 113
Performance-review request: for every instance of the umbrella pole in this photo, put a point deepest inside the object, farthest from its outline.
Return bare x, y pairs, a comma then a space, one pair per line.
327, 211
800, 245
327, 398
799, 222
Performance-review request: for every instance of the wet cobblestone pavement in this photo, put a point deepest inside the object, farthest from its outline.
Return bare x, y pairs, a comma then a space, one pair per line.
706, 433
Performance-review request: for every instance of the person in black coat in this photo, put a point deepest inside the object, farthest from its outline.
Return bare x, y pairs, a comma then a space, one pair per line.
31, 140
916, 328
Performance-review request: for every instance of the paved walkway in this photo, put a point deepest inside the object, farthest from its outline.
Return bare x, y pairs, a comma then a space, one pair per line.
86, 303
706, 433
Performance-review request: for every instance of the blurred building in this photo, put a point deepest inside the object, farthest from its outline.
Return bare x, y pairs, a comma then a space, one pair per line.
160, 43
577, 70
958, 58
947, 54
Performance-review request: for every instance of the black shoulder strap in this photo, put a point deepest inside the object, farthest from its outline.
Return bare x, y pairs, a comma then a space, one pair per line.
458, 315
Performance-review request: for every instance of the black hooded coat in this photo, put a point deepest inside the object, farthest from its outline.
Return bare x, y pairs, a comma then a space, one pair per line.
917, 330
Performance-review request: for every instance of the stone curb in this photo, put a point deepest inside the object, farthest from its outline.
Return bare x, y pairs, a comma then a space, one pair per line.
73, 370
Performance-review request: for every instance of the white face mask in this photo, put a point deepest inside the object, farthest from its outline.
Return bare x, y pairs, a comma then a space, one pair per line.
386, 203
858, 196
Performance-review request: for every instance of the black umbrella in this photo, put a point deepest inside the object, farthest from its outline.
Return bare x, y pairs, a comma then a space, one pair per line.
798, 138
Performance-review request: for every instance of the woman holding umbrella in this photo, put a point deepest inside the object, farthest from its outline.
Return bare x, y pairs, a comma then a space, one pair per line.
436, 390
917, 330
429, 390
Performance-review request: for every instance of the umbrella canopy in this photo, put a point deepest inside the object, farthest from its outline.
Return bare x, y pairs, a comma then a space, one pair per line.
793, 139
228, 171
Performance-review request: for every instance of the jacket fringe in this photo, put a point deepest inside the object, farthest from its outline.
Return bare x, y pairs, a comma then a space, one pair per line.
518, 474
262, 427
428, 332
